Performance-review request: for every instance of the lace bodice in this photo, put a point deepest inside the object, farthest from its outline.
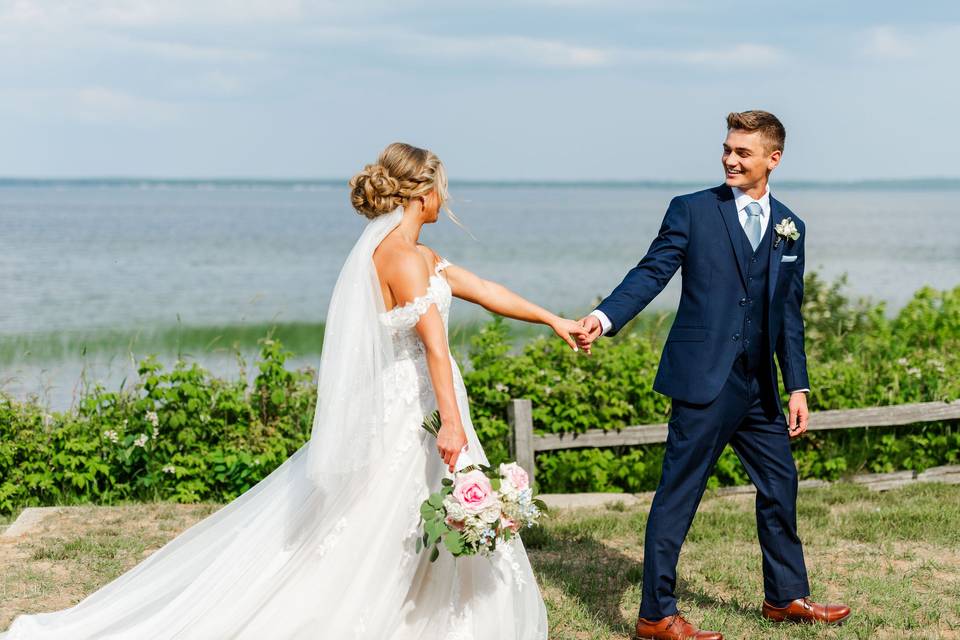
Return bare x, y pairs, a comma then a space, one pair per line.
401, 320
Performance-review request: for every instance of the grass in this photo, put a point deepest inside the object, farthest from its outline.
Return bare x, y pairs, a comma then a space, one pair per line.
81, 549
894, 557
301, 338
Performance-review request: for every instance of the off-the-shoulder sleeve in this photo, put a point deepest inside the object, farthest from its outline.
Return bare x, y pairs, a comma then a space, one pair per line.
407, 315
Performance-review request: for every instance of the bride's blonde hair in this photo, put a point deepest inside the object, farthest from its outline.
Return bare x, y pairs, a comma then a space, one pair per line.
401, 173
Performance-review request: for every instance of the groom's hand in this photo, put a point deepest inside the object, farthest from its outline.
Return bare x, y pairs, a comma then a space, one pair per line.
593, 329
799, 414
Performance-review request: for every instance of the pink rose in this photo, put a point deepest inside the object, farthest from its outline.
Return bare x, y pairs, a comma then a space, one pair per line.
507, 523
473, 491
516, 475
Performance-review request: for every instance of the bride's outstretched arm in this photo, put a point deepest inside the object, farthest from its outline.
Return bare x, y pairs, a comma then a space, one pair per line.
409, 280
495, 297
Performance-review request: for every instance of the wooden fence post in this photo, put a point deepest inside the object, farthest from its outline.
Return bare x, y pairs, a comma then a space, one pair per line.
520, 417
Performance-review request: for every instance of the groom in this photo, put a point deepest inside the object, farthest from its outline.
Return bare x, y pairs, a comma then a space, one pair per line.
742, 254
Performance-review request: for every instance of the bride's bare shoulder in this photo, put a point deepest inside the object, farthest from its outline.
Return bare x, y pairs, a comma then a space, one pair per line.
429, 255
398, 260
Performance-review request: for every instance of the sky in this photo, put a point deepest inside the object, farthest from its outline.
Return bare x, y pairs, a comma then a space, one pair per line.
500, 90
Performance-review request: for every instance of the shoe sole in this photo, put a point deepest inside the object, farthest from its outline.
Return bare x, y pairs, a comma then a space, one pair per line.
836, 623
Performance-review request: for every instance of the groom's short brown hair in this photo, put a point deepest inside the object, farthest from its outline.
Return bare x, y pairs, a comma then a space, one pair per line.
769, 126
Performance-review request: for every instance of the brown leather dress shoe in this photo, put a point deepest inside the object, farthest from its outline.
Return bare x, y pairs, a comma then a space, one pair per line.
804, 610
673, 628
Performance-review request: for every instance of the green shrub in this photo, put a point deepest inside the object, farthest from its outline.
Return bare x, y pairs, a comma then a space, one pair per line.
857, 357
179, 435
185, 435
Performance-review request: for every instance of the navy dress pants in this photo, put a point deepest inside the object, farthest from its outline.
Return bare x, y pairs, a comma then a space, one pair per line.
696, 438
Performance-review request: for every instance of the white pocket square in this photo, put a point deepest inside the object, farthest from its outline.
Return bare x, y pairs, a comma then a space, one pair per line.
788, 258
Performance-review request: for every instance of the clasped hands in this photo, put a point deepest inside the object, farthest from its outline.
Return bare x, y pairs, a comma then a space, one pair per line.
579, 334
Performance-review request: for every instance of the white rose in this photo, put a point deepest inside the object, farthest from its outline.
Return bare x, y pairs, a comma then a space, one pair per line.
491, 514
508, 490
454, 509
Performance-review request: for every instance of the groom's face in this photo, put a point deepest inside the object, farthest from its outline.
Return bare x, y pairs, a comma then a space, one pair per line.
747, 158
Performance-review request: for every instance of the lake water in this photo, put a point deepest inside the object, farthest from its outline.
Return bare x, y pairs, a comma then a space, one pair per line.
78, 258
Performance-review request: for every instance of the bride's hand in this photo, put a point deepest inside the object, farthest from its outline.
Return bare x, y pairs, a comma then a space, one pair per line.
450, 442
566, 328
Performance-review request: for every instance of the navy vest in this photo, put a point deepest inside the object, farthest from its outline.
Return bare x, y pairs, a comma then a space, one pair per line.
753, 339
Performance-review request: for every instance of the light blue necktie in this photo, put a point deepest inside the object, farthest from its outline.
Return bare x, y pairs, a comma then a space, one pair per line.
752, 225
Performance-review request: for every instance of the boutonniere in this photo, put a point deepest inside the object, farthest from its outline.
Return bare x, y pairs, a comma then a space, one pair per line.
786, 229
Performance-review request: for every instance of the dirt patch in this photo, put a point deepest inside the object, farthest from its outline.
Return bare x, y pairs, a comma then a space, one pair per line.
74, 551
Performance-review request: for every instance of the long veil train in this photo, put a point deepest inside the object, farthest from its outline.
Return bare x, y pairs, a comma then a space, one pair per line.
324, 546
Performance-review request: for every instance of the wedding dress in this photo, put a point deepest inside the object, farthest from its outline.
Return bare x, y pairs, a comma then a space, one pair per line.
324, 547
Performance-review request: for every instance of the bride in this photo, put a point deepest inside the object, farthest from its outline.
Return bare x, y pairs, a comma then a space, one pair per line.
324, 547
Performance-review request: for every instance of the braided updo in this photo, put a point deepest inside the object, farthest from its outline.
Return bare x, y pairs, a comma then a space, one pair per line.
402, 172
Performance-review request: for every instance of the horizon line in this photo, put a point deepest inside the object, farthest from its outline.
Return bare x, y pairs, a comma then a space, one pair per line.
121, 181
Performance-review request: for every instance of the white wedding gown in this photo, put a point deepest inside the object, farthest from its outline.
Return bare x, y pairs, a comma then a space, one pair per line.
288, 561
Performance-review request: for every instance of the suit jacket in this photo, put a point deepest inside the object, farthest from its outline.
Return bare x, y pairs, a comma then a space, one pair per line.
701, 235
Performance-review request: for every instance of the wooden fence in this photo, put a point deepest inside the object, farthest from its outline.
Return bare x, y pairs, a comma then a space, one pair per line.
527, 444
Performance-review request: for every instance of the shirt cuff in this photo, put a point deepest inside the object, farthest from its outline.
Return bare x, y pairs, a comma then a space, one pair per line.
605, 323
799, 390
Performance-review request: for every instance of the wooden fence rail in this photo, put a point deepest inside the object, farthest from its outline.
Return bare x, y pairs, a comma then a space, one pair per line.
527, 444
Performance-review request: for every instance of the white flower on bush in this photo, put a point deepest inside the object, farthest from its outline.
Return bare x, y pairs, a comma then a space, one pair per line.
111, 435
156, 433
903, 362
502, 388
915, 372
169, 469
141, 440
153, 418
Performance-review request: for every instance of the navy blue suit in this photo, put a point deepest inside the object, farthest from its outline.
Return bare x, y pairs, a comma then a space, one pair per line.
738, 307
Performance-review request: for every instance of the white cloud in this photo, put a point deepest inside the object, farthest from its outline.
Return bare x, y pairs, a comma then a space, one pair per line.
539, 52
528, 51
222, 83
931, 46
741, 55
92, 105
631, 5
100, 104
142, 13
182, 51
888, 43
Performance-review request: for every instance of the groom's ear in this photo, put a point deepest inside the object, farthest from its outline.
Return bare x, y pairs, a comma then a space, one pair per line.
774, 159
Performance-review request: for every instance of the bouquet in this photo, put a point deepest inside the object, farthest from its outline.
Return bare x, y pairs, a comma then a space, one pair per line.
477, 508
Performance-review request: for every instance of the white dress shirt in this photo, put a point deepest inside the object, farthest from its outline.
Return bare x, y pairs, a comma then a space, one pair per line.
741, 200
